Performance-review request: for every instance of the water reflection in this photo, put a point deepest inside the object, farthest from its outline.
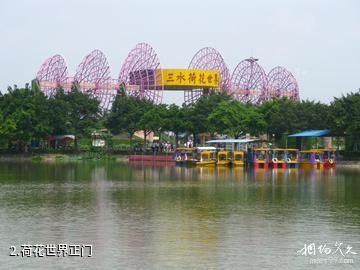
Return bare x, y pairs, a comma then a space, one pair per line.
153, 217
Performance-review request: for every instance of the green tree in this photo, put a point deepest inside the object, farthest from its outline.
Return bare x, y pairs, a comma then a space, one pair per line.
125, 114
280, 116
176, 121
59, 113
25, 115
7, 126
153, 118
311, 115
83, 113
345, 116
254, 121
74, 112
233, 118
198, 113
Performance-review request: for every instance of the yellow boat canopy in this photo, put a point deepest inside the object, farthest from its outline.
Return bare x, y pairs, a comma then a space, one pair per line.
318, 150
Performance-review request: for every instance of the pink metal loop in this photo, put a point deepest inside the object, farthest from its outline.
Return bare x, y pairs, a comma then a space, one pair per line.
281, 83
53, 72
248, 82
210, 59
93, 76
139, 73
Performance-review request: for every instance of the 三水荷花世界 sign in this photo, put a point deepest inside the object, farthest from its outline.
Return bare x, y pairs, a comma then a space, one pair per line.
188, 77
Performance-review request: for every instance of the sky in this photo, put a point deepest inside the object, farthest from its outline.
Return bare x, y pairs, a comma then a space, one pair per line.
317, 40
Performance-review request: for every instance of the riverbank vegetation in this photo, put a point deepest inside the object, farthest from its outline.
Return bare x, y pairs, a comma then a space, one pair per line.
26, 114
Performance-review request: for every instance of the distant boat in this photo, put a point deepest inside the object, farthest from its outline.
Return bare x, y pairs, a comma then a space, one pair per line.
238, 158
318, 158
223, 158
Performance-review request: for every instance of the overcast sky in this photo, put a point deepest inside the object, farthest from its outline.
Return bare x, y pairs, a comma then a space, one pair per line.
318, 41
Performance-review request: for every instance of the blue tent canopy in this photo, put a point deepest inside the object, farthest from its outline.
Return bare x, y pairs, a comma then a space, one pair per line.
312, 133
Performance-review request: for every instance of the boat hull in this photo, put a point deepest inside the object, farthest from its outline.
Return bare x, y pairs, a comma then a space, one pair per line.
223, 163
308, 165
206, 163
238, 163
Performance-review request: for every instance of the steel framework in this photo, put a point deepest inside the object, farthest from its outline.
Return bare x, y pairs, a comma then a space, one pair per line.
211, 59
281, 83
141, 76
53, 74
248, 82
93, 76
138, 73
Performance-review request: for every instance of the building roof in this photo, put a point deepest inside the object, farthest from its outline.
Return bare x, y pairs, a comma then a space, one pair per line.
312, 133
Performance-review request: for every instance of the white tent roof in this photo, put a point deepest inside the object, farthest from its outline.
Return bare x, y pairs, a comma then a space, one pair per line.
233, 141
205, 148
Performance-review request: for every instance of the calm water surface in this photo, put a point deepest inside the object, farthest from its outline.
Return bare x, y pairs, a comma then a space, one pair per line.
176, 218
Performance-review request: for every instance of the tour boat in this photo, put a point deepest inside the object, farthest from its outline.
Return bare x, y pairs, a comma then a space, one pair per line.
317, 158
284, 158
182, 156
292, 158
206, 158
278, 158
202, 156
223, 158
275, 158
329, 158
238, 158
261, 157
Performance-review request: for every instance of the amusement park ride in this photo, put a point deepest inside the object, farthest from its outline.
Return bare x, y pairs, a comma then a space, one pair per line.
141, 75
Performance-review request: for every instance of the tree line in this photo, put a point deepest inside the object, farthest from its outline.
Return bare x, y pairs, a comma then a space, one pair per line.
26, 113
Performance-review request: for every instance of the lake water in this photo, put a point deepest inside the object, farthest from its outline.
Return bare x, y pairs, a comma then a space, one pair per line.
137, 217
